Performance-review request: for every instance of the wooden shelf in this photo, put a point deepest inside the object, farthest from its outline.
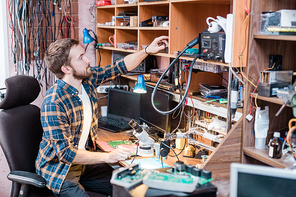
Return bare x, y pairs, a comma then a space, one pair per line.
262, 155
275, 37
106, 6
269, 99
260, 48
126, 5
227, 2
154, 3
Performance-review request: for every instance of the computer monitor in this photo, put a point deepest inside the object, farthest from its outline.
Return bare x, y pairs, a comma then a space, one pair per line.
248, 180
124, 105
163, 101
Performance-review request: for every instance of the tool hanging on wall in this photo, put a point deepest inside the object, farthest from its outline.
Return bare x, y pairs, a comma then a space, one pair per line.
34, 25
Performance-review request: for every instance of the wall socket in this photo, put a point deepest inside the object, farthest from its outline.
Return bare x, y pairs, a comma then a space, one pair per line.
275, 60
104, 88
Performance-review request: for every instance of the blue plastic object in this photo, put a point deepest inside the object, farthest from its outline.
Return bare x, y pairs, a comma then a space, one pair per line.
140, 85
86, 37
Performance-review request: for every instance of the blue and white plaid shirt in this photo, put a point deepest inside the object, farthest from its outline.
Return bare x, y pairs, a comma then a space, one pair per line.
62, 122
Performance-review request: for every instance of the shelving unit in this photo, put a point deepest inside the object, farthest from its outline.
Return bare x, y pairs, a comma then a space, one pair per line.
187, 18
261, 46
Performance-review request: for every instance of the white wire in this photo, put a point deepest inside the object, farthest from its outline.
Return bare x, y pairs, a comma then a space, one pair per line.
235, 74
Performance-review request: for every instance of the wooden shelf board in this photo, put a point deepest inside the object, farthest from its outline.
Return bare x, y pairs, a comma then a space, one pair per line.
154, 3
126, 27
262, 155
275, 37
227, 2
274, 100
126, 5
154, 28
117, 49
106, 7
117, 27
133, 28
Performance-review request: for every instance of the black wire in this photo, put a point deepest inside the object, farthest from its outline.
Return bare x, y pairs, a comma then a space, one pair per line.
166, 146
136, 152
222, 77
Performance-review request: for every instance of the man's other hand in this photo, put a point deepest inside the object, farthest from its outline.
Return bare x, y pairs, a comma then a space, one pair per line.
119, 154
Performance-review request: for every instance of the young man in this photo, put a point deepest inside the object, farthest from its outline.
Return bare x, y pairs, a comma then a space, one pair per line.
69, 116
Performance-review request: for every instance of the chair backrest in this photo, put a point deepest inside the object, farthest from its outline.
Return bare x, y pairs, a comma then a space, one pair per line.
20, 126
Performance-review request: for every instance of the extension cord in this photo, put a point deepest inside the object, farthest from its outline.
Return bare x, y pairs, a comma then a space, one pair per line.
104, 88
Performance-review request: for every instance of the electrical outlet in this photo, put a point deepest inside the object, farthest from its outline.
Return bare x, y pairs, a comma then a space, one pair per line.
104, 88
275, 62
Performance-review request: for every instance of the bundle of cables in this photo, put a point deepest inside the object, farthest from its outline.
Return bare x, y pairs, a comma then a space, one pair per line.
289, 136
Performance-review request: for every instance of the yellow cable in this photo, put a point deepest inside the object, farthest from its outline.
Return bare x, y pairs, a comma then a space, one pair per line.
290, 122
289, 136
241, 53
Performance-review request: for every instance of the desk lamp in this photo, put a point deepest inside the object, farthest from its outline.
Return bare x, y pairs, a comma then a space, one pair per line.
140, 85
87, 38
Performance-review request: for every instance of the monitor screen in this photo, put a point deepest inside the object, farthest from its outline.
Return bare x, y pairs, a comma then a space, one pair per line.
254, 180
123, 104
150, 116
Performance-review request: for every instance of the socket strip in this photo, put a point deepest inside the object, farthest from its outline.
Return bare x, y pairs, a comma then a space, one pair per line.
104, 88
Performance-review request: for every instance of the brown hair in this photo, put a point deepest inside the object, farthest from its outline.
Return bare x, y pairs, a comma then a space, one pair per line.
57, 55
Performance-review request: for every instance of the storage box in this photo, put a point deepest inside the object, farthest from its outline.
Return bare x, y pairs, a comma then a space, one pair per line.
134, 21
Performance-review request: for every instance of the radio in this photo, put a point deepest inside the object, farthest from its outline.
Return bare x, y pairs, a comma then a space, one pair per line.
212, 46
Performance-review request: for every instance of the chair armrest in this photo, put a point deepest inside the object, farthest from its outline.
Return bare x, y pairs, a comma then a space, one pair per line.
24, 177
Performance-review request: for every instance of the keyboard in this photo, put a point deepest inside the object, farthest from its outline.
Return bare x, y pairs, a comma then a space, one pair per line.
113, 125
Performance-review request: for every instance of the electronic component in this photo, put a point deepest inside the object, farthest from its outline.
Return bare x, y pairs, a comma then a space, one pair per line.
173, 182
276, 76
212, 46
270, 89
148, 63
274, 80
128, 176
180, 178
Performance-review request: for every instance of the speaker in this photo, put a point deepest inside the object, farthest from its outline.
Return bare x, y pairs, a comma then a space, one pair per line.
148, 63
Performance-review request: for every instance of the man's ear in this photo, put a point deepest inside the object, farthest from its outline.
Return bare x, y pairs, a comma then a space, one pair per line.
66, 69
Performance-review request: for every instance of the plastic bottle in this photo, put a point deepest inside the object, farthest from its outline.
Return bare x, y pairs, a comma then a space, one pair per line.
275, 147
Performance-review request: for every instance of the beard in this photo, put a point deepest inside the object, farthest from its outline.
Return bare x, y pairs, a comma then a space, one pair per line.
82, 75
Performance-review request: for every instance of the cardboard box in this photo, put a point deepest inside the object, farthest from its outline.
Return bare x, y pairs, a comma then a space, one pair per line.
134, 21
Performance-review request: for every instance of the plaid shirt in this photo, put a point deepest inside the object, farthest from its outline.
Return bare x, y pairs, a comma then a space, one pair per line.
62, 122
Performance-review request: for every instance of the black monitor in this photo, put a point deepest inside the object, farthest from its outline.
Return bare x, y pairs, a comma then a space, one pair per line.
163, 101
124, 105
248, 180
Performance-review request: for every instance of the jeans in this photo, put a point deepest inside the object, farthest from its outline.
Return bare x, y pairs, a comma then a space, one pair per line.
95, 178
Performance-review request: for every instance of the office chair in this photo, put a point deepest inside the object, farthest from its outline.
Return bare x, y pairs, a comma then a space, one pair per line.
20, 135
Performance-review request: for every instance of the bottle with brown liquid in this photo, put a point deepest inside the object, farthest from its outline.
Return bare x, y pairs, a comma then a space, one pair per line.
275, 146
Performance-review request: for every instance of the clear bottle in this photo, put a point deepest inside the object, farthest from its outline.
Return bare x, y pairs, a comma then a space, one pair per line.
275, 146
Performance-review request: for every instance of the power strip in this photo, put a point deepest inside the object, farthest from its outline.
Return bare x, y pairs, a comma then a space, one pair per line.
104, 88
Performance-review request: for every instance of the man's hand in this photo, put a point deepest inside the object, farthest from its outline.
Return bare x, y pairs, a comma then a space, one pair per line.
118, 154
157, 44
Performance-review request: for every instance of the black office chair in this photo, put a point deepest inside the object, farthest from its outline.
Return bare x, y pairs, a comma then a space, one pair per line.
20, 135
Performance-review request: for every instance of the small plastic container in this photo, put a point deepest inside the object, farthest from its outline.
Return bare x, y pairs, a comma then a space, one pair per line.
260, 143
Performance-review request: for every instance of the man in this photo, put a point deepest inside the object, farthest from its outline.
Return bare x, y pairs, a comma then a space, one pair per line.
69, 116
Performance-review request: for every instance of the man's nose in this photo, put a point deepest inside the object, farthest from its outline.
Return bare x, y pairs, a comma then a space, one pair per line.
87, 60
